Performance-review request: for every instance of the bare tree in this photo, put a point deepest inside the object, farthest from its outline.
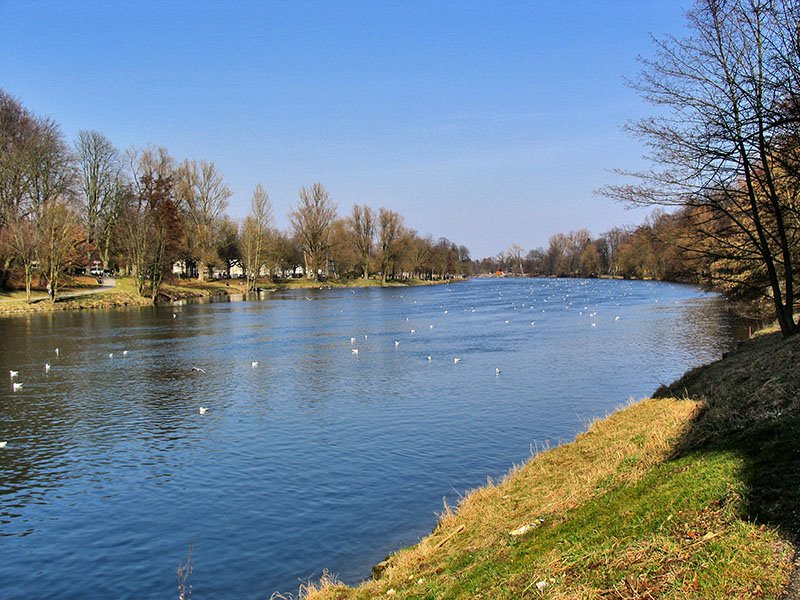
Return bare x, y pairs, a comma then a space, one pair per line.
36, 166
203, 197
18, 239
102, 188
514, 255
362, 227
255, 235
731, 97
151, 227
312, 221
60, 241
419, 254
390, 237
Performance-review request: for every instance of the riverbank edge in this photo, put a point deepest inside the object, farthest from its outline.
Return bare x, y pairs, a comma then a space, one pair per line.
691, 493
123, 297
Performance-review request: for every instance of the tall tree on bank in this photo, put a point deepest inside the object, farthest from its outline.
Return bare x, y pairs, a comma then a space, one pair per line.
362, 228
203, 198
255, 235
60, 241
390, 239
35, 166
312, 222
151, 226
18, 240
732, 101
100, 168
514, 256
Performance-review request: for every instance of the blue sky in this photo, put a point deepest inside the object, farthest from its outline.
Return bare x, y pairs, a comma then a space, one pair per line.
490, 123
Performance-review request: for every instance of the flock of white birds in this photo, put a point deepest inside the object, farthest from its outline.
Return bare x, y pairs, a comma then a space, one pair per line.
17, 385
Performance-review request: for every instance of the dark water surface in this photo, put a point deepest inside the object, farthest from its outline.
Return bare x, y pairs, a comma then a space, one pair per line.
318, 457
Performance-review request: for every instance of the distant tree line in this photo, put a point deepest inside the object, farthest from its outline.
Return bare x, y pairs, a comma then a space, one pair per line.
643, 252
656, 249
139, 212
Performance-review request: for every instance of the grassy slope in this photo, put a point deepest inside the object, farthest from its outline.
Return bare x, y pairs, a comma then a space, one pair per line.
668, 498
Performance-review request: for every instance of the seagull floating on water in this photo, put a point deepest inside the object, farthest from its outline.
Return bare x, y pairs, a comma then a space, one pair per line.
110, 355
203, 410
124, 353
46, 367
396, 343
430, 358
456, 359
198, 369
352, 340
3, 444
254, 364
16, 386
56, 351
497, 371
13, 374
354, 350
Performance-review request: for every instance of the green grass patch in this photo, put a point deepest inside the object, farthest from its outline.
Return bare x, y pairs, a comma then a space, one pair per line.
628, 510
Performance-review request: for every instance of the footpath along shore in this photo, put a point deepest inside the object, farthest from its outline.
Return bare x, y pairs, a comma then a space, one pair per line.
694, 493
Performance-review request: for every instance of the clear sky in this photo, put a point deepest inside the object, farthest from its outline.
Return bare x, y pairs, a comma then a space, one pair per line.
489, 123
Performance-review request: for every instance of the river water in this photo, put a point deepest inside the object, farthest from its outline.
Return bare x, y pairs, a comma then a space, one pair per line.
318, 457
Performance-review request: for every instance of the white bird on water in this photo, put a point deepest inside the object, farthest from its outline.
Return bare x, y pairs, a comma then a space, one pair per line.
124, 353
354, 350
56, 351
198, 369
456, 359
430, 358
16, 386
254, 364
110, 355
396, 343
46, 367
497, 371
13, 374
203, 410
3, 444
352, 340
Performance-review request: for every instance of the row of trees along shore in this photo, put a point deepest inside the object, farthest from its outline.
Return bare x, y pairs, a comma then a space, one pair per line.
724, 146
665, 247
140, 212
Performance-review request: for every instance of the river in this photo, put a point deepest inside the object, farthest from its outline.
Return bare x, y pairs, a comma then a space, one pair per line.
317, 456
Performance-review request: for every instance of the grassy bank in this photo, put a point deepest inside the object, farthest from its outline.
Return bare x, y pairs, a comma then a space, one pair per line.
124, 293
693, 494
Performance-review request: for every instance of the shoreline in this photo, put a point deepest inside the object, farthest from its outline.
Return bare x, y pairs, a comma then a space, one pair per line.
125, 295
693, 492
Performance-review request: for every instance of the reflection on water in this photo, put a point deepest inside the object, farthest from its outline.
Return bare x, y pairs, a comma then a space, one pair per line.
317, 457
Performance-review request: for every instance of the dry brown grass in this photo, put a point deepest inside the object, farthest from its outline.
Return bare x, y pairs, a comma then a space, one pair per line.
615, 451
